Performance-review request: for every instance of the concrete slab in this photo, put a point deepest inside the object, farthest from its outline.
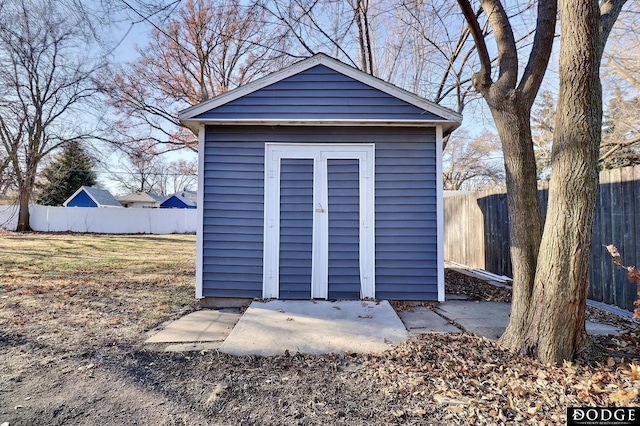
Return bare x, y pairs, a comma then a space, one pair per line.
456, 297
315, 327
596, 328
490, 319
487, 319
193, 347
422, 320
199, 326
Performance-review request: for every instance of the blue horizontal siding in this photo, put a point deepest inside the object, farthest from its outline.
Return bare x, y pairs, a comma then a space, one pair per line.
296, 224
406, 220
417, 295
406, 229
343, 186
233, 216
318, 93
408, 208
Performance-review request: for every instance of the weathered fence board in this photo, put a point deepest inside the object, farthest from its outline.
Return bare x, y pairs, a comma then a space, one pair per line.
476, 233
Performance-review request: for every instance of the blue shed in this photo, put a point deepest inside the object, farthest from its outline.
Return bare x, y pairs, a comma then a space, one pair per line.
88, 196
178, 202
320, 181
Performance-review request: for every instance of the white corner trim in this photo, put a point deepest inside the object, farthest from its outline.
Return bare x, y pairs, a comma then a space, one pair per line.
200, 210
440, 213
271, 235
367, 226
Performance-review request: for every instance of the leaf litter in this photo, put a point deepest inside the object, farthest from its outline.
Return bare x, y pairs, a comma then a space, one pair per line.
71, 347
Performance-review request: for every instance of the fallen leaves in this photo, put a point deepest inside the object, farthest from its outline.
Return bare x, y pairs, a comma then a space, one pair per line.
474, 288
634, 372
433, 379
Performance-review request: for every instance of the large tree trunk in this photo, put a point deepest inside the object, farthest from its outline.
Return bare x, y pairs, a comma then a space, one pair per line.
556, 331
23, 208
25, 189
525, 224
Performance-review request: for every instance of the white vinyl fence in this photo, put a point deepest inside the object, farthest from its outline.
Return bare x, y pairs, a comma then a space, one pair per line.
105, 220
9, 217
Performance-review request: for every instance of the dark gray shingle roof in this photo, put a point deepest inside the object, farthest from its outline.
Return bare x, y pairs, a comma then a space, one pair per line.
101, 196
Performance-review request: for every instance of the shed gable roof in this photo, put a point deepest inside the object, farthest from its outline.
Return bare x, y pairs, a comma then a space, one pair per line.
319, 90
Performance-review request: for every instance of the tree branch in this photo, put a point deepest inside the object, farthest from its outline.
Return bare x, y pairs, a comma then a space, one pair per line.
482, 79
541, 50
609, 11
505, 41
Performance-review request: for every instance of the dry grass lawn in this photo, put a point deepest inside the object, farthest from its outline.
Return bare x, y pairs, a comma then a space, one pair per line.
76, 309
88, 291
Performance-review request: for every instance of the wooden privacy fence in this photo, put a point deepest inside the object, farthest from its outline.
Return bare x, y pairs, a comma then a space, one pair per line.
476, 233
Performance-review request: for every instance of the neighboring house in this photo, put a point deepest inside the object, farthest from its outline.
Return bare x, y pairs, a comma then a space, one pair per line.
192, 195
141, 200
320, 181
88, 196
178, 202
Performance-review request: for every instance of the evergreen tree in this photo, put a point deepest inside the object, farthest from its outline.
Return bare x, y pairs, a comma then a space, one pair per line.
62, 177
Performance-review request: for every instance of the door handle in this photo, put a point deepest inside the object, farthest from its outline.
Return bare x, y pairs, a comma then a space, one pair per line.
319, 209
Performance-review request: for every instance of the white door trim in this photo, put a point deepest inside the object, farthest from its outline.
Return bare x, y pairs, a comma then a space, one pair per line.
274, 153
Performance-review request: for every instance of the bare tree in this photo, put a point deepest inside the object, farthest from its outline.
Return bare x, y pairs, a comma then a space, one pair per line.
472, 164
621, 130
556, 328
423, 46
139, 169
45, 79
620, 144
179, 175
510, 103
339, 28
204, 48
144, 170
438, 52
550, 269
621, 71
7, 176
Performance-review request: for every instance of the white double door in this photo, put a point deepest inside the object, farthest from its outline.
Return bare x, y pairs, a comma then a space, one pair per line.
303, 188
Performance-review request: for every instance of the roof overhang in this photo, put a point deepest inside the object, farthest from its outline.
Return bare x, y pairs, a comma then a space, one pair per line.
447, 126
450, 119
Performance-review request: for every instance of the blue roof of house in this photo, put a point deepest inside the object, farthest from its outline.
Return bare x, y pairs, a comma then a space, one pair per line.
159, 198
178, 201
101, 197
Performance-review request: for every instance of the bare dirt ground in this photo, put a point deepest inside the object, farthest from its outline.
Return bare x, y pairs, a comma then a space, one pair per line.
76, 309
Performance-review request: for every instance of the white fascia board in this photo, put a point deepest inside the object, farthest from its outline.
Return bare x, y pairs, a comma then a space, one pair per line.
321, 59
440, 214
448, 126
